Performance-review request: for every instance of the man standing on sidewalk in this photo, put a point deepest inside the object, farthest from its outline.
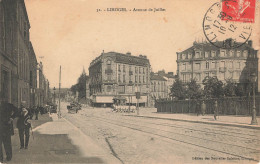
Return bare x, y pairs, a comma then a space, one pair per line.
7, 114
23, 126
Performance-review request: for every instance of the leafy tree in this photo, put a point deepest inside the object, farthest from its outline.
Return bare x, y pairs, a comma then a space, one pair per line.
178, 90
194, 90
230, 88
81, 85
213, 88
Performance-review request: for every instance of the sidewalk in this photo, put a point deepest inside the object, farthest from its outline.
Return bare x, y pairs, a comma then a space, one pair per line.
228, 120
58, 141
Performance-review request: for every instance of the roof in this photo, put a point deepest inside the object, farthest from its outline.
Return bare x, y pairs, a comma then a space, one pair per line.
205, 46
169, 76
157, 77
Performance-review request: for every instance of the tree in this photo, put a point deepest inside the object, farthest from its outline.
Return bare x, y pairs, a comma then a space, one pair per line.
178, 90
194, 90
80, 87
230, 88
213, 88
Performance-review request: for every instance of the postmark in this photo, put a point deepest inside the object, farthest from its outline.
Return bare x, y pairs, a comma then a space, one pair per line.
221, 31
239, 10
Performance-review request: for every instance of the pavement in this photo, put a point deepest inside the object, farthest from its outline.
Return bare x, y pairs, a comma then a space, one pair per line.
227, 120
56, 140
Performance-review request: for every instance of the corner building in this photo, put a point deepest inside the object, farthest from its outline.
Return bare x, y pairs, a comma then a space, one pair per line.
205, 60
115, 74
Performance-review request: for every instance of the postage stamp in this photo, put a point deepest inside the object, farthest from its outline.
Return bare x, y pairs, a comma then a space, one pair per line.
239, 10
221, 31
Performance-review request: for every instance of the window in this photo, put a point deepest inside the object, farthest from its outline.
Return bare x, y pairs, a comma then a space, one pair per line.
197, 55
184, 66
189, 56
207, 74
238, 54
123, 68
109, 88
207, 65
213, 65
119, 78
139, 79
121, 88
206, 54
130, 68
197, 66
136, 70
143, 79
140, 71
119, 68
245, 54
143, 71
231, 53
237, 65
109, 64
124, 78
221, 75
188, 66
213, 54
136, 78
184, 56
222, 64
231, 64
222, 53
109, 77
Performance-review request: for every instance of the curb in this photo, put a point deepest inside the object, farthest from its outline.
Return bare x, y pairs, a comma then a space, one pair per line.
201, 122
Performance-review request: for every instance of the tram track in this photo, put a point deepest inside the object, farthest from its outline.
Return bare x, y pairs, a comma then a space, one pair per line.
143, 129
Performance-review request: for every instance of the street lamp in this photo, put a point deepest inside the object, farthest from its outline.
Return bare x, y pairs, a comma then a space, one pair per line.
137, 95
54, 98
253, 80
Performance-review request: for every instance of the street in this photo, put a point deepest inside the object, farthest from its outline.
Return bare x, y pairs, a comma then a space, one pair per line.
145, 140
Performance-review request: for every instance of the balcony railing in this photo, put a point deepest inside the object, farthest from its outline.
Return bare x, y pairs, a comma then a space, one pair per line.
108, 71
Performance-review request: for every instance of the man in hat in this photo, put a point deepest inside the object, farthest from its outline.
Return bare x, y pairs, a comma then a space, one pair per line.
7, 114
23, 126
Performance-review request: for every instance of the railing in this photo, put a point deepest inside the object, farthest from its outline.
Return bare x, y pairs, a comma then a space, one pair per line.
226, 106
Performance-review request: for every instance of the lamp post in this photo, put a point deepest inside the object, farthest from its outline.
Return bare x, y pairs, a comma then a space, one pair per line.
137, 95
253, 80
54, 98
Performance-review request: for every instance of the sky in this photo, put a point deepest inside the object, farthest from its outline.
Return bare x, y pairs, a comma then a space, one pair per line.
71, 33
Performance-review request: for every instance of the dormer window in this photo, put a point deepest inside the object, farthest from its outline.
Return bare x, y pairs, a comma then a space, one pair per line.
231, 53
189, 56
245, 54
213, 54
222, 53
197, 55
238, 53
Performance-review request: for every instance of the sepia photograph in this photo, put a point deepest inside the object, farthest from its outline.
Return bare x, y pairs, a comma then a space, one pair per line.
129, 81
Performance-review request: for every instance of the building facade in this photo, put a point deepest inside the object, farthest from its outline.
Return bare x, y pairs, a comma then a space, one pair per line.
205, 60
33, 75
8, 52
114, 74
158, 88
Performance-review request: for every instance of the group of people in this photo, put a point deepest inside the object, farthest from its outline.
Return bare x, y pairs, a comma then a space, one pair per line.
8, 112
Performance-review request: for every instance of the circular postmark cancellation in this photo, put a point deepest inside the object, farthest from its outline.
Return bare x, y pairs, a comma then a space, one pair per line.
221, 31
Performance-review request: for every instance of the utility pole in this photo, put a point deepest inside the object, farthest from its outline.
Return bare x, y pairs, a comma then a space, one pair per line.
59, 115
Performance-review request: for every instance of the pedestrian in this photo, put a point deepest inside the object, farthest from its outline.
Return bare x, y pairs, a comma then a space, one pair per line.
23, 126
203, 108
7, 114
197, 108
215, 109
36, 112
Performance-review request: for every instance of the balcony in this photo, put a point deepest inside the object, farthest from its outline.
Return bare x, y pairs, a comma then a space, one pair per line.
108, 71
222, 69
130, 72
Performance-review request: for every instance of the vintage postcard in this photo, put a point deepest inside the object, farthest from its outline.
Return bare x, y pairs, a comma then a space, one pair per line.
129, 81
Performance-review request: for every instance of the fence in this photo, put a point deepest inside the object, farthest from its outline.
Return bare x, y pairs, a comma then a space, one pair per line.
226, 106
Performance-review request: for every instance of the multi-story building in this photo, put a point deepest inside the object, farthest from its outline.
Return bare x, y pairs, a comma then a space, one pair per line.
8, 52
114, 75
203, 60
18, 62
33, 75
170, 79
158, 88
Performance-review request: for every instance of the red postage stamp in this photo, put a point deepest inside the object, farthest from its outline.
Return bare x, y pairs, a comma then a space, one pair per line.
239, 10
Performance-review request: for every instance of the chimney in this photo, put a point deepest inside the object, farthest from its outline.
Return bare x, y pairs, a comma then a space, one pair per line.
170, 73
128, 53
250, 43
